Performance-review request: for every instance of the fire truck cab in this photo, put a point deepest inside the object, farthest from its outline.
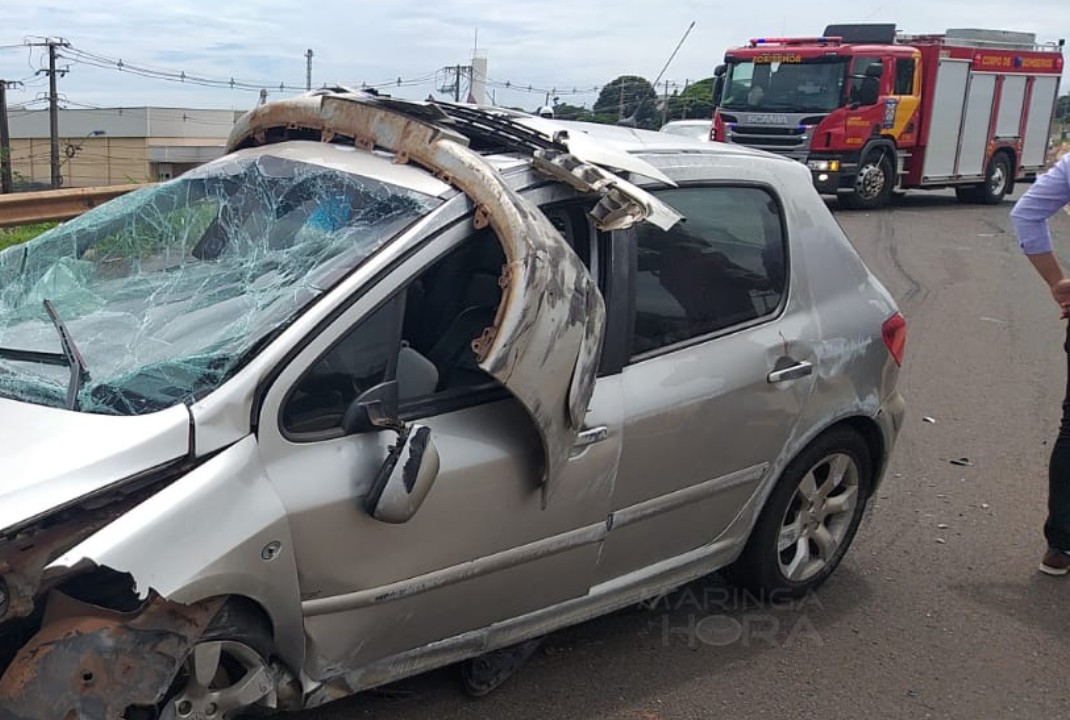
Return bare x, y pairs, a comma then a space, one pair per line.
871, 110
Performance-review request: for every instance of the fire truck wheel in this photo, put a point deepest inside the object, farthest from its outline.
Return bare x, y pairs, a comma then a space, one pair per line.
873, 184
997, 180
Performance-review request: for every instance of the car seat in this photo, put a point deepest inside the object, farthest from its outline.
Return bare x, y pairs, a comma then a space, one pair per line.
452, 351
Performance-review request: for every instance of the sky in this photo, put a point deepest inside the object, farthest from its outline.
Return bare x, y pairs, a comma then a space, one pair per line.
564, 44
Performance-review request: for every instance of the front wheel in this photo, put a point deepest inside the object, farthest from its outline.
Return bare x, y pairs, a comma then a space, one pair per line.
873, 183
810, 518
227, 673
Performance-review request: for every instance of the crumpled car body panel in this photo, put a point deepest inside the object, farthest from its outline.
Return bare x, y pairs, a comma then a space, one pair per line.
53, 457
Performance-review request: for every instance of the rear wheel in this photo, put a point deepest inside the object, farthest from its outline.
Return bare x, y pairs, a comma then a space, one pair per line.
810, 518
997, 180
873, 183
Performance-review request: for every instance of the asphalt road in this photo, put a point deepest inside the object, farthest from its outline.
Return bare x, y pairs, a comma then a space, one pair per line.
938, 610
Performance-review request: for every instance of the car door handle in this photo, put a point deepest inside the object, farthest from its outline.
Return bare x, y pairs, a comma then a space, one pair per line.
591, 436
793, 372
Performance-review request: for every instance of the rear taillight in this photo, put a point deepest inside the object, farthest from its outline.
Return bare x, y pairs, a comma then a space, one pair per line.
895, 336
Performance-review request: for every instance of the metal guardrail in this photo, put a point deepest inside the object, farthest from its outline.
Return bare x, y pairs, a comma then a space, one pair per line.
49, 205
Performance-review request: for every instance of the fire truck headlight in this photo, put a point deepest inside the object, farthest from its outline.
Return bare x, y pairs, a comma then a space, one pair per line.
824, 165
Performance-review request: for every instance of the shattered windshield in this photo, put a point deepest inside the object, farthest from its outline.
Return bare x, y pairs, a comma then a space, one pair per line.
788, 83
165, 292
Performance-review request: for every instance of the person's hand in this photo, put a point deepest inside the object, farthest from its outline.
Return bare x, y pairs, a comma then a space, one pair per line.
1061, 292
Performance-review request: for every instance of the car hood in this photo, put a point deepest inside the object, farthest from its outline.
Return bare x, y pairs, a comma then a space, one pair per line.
51, 457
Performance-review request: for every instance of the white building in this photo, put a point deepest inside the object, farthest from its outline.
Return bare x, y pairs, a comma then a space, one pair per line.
112, 146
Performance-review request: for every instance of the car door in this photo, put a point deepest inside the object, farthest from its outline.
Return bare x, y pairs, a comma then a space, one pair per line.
487, 544
719, 371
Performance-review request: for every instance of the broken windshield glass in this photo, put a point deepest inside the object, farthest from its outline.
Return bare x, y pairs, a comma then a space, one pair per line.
168, 290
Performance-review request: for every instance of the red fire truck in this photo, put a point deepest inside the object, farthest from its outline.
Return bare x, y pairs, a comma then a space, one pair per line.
870, 110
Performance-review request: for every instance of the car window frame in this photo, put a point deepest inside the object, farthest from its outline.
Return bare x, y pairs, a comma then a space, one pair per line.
389, 375
455, 399
912, 77
446, 238
608, 266
771, 317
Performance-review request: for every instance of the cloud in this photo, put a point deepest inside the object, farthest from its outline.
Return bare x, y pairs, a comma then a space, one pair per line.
548, 43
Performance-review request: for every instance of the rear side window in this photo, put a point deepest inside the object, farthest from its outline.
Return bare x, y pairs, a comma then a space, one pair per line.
724, 265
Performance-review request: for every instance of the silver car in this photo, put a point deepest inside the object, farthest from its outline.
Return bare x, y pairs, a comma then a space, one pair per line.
397, 385
694, 129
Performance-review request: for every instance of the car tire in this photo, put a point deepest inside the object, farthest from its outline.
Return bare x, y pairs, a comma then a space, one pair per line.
997, 180
873, 183
809, 520
237, 643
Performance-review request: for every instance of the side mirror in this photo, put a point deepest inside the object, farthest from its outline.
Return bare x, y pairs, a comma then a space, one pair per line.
405, 477
375, 409
720, 70
718, 89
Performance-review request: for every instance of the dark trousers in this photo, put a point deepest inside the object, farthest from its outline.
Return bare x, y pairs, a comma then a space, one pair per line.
1057, 528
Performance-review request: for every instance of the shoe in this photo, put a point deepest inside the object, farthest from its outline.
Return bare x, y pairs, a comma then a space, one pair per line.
1055, 562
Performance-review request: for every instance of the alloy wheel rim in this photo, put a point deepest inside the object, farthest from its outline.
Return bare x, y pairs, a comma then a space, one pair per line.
224, 678
818, 518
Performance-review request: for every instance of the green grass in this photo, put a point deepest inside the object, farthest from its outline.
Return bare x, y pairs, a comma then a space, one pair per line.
16, 235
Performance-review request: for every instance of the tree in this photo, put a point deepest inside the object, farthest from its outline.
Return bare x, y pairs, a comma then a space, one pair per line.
695, 102
1062, 108
629, 98
564, 111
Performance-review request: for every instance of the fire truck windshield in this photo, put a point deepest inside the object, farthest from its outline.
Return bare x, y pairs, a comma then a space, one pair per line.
786, 84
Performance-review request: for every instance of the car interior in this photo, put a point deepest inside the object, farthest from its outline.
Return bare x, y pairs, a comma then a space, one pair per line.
448, 307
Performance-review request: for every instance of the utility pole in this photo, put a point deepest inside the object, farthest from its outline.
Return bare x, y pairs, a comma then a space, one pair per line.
53, 115
53, 102
665, 105
451, 79
6, 183
308, 72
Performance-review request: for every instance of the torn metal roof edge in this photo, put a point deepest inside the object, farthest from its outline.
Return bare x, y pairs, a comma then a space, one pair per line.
464, 124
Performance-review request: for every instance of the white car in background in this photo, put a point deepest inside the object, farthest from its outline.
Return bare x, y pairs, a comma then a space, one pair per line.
694, 129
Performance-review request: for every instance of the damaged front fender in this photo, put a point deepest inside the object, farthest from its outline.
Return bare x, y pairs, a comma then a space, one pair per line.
88, 663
